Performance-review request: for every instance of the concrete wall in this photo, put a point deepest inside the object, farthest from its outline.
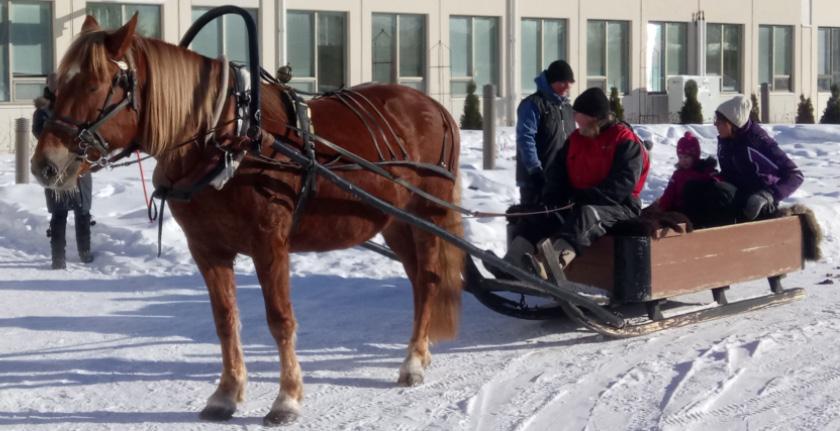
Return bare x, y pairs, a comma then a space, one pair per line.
806, 16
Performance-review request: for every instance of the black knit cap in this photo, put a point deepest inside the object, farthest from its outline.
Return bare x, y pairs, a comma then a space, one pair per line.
559, 70
593, 102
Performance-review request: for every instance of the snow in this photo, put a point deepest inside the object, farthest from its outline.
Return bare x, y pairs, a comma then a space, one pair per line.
128, 342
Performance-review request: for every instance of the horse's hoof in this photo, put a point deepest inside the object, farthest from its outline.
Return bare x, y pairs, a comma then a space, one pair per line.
410, 379
276, 418
217, 413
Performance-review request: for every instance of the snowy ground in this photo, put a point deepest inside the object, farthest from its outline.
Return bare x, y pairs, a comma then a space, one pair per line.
128, 342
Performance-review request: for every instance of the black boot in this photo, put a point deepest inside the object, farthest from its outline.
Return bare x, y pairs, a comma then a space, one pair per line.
58, 226
83, 237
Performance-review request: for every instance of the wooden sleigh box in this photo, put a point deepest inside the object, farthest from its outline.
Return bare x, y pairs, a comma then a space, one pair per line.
644, 268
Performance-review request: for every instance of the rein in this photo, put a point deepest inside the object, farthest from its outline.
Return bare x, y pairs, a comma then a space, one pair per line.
364, 164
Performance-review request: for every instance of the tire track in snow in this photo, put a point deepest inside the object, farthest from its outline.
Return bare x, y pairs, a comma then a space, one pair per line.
485, 402
755, 405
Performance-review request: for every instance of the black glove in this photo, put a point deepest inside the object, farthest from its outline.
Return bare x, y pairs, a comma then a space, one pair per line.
536, 179
759, 203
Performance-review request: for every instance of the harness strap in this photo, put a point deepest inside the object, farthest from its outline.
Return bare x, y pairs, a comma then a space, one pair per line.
309, 183
165, 193
375, 168
161, 194
366, 123
387, 123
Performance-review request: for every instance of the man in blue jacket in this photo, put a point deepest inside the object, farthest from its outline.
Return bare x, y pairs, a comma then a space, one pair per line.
545, 120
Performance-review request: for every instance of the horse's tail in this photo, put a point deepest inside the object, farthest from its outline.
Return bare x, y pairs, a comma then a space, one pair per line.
446, 304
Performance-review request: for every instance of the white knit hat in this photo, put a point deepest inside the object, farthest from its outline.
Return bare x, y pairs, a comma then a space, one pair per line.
736, 110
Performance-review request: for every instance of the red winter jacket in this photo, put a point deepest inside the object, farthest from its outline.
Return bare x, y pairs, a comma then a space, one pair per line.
672, 199
609, 169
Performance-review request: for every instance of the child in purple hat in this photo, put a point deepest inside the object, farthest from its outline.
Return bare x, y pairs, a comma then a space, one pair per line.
690, 167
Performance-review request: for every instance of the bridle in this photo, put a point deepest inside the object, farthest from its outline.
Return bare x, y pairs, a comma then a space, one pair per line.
87, 135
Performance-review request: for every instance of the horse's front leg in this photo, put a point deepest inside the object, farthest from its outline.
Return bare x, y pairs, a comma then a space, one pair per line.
272, 265
219, 277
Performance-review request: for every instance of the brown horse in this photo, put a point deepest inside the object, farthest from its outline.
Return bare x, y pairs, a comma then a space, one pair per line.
176, 91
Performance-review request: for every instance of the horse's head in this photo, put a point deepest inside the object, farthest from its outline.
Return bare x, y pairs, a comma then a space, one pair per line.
95, 109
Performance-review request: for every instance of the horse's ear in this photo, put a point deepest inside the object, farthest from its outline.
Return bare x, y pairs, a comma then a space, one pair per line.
120, 40
90, 24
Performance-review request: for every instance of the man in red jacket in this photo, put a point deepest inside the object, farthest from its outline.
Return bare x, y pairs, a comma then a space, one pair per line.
601, 172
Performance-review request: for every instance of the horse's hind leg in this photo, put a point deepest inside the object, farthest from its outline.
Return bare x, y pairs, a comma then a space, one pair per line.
416, 258
272, 265
219, 277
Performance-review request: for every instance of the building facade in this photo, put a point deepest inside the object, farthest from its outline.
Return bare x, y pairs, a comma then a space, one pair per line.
440, 46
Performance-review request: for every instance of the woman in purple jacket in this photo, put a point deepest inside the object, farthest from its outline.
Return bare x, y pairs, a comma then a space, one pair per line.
756, 174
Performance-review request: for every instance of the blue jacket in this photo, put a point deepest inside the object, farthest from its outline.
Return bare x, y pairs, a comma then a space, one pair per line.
544, 122
752, 161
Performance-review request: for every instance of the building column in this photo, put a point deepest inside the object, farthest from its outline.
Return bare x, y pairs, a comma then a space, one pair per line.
512, 61
699, 44
268, 39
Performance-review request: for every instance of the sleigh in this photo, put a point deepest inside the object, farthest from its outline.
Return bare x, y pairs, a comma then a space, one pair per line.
400, 178
631, 270
622, 269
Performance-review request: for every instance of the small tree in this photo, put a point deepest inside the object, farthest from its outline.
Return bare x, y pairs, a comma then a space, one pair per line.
471, 119
831, 115
692, 111
755, 112
615, 104
805, 111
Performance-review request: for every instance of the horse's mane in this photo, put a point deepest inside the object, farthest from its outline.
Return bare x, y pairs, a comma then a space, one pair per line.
179, 95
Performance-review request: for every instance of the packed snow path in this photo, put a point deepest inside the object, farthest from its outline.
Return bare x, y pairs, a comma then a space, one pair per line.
129, 343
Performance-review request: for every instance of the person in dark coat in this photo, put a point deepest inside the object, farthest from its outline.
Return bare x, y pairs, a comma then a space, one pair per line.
600, 171
755, 173
544, 121
60, 203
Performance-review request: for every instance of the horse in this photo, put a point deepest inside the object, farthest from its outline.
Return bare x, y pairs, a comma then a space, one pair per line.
167, 107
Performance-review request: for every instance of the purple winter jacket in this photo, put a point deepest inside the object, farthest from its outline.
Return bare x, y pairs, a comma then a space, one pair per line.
752, 161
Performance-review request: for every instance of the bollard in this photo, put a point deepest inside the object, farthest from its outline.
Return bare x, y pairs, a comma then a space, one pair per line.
489, 114
765, 103
22, 150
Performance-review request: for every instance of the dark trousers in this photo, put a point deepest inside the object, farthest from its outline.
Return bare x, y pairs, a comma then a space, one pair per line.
58, 229
713, 203
580, 225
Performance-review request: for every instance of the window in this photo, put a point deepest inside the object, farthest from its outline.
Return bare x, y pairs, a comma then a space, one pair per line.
26, 49
828, 71
723, 54
608, 55
399, 49
114, 15
318, 50
474, 53
775, 56
667, 53
228, 36
543, 41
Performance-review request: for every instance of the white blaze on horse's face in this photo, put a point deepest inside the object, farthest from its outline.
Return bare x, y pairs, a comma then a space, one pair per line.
71, 73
